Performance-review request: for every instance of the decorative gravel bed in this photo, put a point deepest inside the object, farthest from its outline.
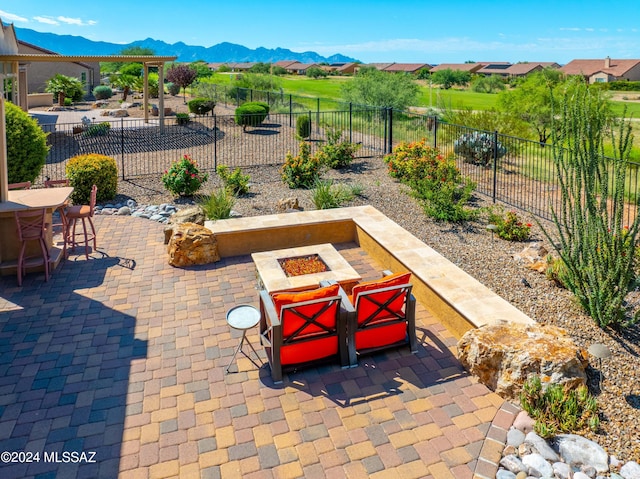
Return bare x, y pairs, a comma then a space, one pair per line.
488, 259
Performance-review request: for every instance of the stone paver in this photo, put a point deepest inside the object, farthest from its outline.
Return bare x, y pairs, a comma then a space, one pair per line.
122, 357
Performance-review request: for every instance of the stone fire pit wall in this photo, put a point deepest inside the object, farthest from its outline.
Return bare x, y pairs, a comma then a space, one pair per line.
458, 301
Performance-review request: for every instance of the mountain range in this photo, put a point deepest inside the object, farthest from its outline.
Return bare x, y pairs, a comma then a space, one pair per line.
222, 52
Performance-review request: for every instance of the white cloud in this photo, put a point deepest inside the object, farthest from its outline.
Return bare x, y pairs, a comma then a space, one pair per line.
47, 20
10, 17
76, 21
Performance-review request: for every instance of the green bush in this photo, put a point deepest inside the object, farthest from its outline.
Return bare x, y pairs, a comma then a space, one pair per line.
26, 145
173, 89
201, 106
102, 92
335, 153
251, 114
303, 127
218, 205
559, 409
301, 171
182, 118
236, 182
509, 226
98, 129
68, 101
84, 171
326, 195
183, 177
478, 148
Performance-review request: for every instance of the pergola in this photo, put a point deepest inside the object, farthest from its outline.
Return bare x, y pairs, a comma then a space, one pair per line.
14, 66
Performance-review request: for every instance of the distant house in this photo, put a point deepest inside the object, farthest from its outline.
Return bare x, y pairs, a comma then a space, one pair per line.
526, 68
494, 69
603, 71
378, 66
345, 68
40, 72
298, 68
412, 68
463, 67
284, 63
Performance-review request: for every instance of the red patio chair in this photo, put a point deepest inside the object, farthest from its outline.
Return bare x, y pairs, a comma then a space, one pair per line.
304, 328
62, 211
31, 226
25, 185
385, 316
84, 213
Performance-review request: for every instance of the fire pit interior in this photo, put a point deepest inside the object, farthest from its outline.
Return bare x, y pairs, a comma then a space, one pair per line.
308, 264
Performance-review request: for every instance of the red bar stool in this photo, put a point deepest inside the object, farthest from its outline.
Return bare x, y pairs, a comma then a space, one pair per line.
84, 213
31, 227
25, 185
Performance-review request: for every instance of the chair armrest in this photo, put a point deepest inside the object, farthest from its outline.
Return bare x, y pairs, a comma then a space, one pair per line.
268, 315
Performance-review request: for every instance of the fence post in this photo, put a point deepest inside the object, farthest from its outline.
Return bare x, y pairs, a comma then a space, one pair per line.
436, 121
495, 165
122, 146
215, 142
317, 115
250, 94
350, 122
390, 146
290, 111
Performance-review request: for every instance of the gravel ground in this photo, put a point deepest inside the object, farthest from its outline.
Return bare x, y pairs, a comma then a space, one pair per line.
490, 260
471, 247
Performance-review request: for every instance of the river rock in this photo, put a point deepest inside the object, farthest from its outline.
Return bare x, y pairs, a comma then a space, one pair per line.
515, 437
537, 465
513, 463
523, 422
578, 451
504, 474
191, 214
542, 446
504, 356
631, 470
192, 244
561, 470
581, 475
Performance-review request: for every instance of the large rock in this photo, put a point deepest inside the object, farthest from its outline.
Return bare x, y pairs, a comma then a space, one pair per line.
504, 356
287, 204
192, 244
578, 451
192, 214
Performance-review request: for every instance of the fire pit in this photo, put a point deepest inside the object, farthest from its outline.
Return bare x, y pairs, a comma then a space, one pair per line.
297, 269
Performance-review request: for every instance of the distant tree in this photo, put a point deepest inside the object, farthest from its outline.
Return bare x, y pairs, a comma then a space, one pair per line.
315, 72
490, 84
278, 70
114, 67
376, 88
224, 68
202, 69
423, 74
63, 86
448, 78
125, 82
133, 69
260, 67
531, 100
183, 76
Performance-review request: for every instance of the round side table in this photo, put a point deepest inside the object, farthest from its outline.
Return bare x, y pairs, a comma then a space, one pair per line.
242, 318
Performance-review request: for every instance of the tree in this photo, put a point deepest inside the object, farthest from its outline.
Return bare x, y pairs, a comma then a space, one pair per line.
490, 84
531, 100
260, 68
375, 88
63, 87
114, 67
124, 82
448, 78
202, 69
423, 74
183, 76
315, 72
26, 145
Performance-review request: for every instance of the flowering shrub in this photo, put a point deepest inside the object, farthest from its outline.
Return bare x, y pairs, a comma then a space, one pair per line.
434, 179
336, 153
183, 177
235, 182
301, 171
477, 148
510, 227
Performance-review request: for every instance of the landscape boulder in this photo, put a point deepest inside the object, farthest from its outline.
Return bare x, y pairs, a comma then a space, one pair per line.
192, 244
504, 356
287, 204
192, 214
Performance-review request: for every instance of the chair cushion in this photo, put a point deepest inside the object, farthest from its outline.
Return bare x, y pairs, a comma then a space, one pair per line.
78, 211
288, 297
391, 280
381, 336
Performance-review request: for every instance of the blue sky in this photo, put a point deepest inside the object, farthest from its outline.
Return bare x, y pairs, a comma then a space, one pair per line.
371, 31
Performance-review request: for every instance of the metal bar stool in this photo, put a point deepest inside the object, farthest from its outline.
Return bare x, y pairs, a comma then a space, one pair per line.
25, 185
62, 211
31, 227
84, 213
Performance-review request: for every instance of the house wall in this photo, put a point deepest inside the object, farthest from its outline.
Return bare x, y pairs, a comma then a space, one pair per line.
601, 77
633, 74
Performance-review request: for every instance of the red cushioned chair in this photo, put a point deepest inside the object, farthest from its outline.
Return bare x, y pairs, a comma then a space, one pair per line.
302, 329
31, 227
385, 316
25, 185
83, 213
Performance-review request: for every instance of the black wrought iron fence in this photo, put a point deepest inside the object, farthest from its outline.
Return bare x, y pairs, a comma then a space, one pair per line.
512, 170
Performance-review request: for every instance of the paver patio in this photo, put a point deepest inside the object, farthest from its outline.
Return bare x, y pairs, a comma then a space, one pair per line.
125, 356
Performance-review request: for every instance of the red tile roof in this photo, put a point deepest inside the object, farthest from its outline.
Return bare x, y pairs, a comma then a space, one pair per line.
616, 68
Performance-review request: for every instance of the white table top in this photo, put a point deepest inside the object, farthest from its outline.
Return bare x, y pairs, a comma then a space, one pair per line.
243, 316
35, 198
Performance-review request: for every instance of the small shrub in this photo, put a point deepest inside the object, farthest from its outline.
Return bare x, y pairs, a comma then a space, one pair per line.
201, 106
556, 271
477, 148
251, 114
557, 408
218, 205
173, 89
183, 177
26, 145
102, 92
327, 195
182, 118
335, 153
68, 101
412, 161
510, 227
303, 127
301, 171
84, 171
235, 182
98, 129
